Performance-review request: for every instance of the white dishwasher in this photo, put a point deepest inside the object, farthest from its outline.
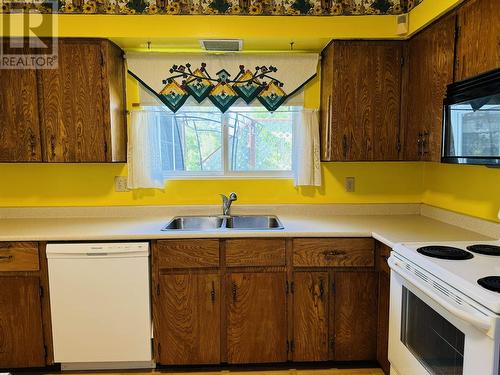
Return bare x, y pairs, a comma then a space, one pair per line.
99, 301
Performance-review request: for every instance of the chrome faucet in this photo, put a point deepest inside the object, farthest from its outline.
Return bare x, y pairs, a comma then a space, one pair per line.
226, 203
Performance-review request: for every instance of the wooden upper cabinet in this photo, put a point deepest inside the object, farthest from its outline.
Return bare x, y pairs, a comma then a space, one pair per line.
19, 125
430, 62
188, 319
256, 317
478, 42
21, 332
361, 101
82, 103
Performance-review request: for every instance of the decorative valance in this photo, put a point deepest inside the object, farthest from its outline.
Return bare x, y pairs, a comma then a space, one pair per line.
221, 7
223, 79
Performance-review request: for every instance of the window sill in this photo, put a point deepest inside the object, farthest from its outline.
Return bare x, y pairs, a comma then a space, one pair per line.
231, 177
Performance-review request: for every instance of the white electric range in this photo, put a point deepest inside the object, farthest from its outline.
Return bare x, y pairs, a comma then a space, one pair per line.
445, 313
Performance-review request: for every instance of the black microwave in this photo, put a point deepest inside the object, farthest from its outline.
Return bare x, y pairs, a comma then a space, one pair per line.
471, 121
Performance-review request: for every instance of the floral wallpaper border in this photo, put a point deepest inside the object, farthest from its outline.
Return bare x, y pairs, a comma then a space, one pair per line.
221, 7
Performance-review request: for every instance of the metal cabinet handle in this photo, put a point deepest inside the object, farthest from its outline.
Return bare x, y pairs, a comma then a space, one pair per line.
334, 253
321, 289
52, 146
6, 258
212, 293
32, 144
234, 290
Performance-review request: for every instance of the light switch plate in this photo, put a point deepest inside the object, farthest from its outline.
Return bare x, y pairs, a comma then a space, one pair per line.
350, 184
121, 184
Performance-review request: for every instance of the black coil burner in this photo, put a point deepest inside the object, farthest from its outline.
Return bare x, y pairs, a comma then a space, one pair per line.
445, 252
485, 249
491, 283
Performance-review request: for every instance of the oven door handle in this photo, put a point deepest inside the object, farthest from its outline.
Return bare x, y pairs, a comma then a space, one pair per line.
478, 320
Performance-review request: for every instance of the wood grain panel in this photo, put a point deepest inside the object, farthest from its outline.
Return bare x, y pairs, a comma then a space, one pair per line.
361, 107
189, 319
45, 299
256, 317
430, 63
19, 256
188, 253
255, 252
21, 334
19, 123
327, 91
383, 321
478, 44
115, 103
355, 316
71, 104
310, 316
333, 252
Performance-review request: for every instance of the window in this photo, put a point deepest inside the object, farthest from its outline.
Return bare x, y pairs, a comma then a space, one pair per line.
246, 141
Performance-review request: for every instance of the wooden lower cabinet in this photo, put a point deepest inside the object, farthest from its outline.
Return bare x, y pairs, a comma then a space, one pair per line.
355, 327
256, 317
266, 308
21, 330
384, 283
310, 316
189, 319
335, 315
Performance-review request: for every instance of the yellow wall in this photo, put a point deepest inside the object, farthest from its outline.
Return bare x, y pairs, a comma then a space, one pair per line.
92, 184
472, 190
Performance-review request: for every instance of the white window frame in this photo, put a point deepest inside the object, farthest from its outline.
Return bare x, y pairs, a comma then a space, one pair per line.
226, 173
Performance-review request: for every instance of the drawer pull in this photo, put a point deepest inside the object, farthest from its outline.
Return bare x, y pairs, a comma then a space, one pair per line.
6, 258
334, 253
212, 293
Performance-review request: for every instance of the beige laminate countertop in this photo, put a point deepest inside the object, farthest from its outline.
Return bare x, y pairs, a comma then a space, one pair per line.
389, 229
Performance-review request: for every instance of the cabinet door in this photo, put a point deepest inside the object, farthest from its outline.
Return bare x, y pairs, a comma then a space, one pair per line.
310, 316
256, 317
361, 114
431, 67
72, 104
188, 314
478, 44
355, 326
21, 334
327, 149
19, 126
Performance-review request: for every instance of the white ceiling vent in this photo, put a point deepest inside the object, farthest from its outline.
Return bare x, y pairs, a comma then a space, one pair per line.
222, 45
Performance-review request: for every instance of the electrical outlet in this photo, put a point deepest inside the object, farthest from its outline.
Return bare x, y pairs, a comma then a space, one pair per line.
349, 184
121, 184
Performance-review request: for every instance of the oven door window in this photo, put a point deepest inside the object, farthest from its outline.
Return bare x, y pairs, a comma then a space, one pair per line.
435, 342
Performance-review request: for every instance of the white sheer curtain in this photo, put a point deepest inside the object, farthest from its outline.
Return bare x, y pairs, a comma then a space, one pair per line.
144, 151
145, 160
306, 156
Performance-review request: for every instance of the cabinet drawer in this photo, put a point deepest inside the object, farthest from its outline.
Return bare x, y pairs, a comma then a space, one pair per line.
188, 253
255, 252
337, 252
19, 256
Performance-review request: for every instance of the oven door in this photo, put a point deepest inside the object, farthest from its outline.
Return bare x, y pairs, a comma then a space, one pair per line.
433, 332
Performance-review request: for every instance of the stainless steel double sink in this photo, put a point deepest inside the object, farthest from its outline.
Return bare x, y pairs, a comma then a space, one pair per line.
240, 222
